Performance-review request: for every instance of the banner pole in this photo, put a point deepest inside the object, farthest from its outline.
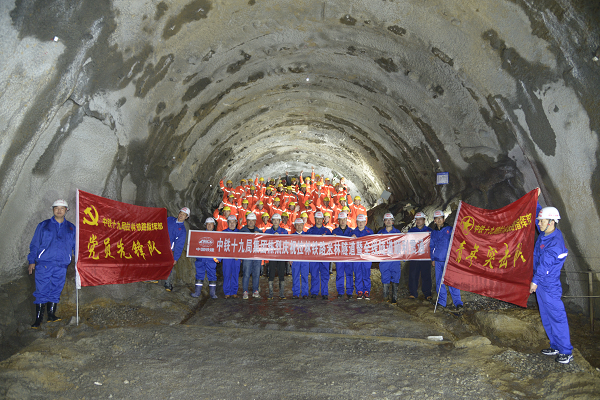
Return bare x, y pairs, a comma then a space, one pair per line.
77, 282
448, 254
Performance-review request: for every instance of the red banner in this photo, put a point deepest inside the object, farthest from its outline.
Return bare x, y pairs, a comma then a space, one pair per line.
492, 250
120, 243
258, 246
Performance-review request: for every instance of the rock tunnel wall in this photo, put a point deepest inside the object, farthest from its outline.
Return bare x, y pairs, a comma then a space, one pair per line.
152, 102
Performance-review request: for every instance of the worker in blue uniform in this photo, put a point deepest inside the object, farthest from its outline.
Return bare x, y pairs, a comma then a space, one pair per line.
276, 266
419, 268
50, 254
319, 271
362, 269
206, 267
299, 268
231, 266
343, 270
440, 242
390, 270
549, 255
177, 237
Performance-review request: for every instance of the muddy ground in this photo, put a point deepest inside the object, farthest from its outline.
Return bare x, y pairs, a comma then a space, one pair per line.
168, 345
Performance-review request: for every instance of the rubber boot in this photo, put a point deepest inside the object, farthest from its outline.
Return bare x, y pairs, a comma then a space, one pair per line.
394, 293
39, 315
198, 289
213, 289
386, 291
270, 295
281, 290
51, 308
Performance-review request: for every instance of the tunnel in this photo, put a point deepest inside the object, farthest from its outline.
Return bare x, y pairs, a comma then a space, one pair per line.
154, 102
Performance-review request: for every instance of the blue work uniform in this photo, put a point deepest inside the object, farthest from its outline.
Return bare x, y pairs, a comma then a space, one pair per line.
177, 237
51, 251
549, 255
343, 268
422, 268
300, 273
231, 273
390, 270
362, 269
319, 271
440, 241
206, 267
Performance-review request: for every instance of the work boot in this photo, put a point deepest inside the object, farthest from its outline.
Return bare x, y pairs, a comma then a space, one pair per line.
386, 291
270, 295
39, 315
51, 309
213, 289
198, 289
281, 290
394, 293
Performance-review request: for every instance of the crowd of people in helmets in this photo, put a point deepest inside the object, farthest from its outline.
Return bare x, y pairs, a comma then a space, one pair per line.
310, 206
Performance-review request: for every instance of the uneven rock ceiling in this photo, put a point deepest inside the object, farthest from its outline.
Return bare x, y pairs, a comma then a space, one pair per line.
153, 102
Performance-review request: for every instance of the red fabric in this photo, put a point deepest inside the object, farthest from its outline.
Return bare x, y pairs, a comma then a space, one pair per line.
103, 225
492, 250
256, 246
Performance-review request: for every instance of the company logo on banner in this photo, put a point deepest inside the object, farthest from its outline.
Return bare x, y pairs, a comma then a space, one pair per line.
119, 242
492, 250
257, 246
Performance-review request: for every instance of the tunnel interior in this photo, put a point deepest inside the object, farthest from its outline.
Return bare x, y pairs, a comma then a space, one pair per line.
154, 102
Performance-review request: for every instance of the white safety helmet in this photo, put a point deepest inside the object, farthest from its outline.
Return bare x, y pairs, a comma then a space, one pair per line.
438, 213
275, 216
251, 217
420, 214
549, 213
209, 220
60, 203
299, 221
342, 215
185, 210
232, 218
361, 218
319, 214
388, 216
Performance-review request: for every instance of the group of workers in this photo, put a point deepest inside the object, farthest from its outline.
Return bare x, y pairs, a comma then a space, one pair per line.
53, 244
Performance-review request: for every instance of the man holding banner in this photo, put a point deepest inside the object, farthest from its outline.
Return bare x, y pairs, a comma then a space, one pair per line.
549, 255
177, 236
440, 242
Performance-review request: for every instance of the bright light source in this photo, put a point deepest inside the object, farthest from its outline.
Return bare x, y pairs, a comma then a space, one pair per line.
437, 160
56, 40
307, 79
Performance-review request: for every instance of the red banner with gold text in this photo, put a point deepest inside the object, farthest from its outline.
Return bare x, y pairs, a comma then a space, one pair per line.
492, 250
258, 246
119, 242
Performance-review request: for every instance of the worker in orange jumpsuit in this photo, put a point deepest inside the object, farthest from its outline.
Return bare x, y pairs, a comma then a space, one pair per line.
221, 220
303, 194
240, 191
260, 186
288, 197
231, 203
252, 197
356, 208
310, 210
318, 195
307, 225
285, 222
327, 207
264, 223
350, 221
275, 208
259, 210
226, 188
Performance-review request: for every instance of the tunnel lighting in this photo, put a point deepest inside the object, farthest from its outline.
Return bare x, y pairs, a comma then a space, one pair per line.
437, 160
56, 40
307, 79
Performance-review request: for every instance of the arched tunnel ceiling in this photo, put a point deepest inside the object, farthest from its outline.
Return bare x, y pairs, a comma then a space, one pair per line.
153, 102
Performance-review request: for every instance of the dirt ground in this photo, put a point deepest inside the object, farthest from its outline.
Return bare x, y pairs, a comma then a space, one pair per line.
167, 345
